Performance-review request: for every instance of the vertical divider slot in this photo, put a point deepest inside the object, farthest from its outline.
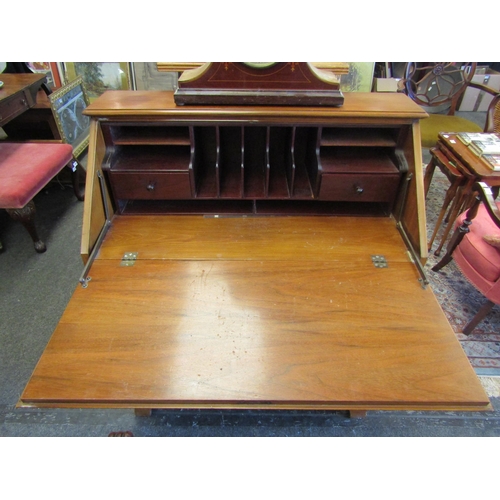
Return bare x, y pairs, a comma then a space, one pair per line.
255, 161
217, 160
280, 159
230, 161
205, 161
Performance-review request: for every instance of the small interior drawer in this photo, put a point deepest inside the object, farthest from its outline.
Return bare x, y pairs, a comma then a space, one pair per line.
359, 187
150, 185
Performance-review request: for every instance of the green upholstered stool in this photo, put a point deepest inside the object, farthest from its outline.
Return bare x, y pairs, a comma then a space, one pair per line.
432, 126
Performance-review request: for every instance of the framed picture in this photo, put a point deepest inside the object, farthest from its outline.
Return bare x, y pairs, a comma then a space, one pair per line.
149, 76
50, 70
99, 76
359, 78
68, 104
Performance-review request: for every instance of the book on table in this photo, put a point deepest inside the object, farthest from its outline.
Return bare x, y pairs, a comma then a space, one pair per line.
468, 137
481, 148
493, 161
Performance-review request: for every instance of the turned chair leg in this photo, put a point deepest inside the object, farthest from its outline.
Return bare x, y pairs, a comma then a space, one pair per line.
429, 174
458, 235
449, 197
481, 314
26, 216
459, 204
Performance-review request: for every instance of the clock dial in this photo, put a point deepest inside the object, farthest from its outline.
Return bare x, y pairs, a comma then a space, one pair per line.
259, 65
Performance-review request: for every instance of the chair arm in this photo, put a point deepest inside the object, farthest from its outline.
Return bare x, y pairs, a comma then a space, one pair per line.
485, 194
490, 125
483, 88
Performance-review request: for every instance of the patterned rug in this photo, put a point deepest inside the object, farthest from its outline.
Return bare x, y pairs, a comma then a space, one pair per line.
458, 298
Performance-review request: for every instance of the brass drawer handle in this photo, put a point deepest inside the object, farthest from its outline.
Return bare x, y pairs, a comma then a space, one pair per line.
151, 186
358, 189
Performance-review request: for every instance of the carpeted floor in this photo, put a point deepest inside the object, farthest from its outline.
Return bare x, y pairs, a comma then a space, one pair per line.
458, 298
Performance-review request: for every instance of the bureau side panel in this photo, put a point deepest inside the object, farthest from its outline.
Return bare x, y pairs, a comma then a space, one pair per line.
94, 216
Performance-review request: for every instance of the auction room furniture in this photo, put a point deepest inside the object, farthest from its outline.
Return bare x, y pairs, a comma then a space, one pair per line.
454, 155
492, 124
475, 248
18, 94
67, 106
438, 87
58, 118
25, 168
254, 257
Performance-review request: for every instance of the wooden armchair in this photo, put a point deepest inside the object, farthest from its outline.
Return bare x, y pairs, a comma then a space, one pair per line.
475, 248
439, 88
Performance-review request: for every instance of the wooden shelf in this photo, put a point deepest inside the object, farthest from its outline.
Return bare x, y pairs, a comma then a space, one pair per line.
361, 137
151, 158
150, 135
357, 160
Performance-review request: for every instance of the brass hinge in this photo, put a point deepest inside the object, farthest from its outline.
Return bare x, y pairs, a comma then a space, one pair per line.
129, 259
379, 261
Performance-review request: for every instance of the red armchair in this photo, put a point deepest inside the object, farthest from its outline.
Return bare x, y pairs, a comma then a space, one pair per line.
25, 168
475, 248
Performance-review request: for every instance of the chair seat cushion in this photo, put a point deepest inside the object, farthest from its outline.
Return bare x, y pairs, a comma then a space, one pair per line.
482, 257
25, 168
493, 240
432, 126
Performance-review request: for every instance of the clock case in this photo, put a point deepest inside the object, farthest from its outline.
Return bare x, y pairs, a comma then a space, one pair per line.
277, 84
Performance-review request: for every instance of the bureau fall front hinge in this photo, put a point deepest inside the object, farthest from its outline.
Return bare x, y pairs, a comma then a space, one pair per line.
128, 259
379, 261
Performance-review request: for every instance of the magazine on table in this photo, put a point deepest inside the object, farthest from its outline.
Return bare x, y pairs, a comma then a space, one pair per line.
485, 147
492, 161
468, 137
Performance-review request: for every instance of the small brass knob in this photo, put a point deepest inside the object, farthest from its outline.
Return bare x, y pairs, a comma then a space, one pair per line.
359, 189
151, 186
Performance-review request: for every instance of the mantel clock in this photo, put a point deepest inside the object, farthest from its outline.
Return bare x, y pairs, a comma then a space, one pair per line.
259, 83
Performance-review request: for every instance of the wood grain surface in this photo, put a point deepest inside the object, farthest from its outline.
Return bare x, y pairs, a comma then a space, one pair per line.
255, 325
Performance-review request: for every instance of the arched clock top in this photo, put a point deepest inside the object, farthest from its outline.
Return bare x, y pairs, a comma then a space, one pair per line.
243, 83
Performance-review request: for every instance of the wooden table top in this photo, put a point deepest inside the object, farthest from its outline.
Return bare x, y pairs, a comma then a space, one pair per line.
470, 160
17, 82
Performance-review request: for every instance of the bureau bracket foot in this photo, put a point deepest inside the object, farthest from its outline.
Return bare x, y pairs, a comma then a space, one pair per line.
357, 413
143, 412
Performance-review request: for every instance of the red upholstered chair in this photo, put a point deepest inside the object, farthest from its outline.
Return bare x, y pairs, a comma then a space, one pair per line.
475, 248
25, 168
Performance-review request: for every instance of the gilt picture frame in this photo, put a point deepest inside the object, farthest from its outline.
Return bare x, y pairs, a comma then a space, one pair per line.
359, 78
149, 76
68, 104
99, 76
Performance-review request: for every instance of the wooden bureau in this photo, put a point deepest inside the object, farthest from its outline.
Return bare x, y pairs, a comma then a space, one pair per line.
254, 257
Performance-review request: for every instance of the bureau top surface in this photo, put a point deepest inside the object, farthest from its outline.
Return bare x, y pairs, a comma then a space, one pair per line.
161, 104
